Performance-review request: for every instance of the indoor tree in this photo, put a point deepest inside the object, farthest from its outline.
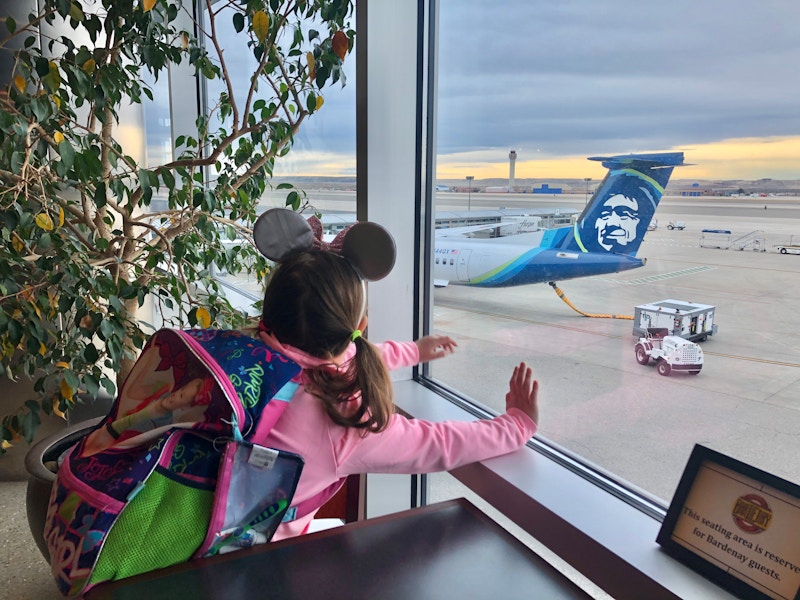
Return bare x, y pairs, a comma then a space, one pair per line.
82, 248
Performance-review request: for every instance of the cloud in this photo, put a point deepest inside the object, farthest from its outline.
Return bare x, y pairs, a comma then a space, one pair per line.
561, 81
582, 77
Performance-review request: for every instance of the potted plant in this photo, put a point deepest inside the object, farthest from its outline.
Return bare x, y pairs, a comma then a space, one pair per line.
82, 250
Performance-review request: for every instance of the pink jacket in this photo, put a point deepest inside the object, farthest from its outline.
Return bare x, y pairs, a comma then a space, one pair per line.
406, 446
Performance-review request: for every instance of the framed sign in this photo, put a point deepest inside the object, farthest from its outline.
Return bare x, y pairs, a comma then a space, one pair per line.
737, 525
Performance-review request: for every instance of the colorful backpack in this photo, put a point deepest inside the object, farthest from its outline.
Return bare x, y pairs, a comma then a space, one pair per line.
169, 475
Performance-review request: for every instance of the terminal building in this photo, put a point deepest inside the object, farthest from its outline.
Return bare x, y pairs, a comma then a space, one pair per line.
545, 218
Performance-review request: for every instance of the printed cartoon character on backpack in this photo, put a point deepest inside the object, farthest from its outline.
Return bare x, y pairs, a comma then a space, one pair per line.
154, 402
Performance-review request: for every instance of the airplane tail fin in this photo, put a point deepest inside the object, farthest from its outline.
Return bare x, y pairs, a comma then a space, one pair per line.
615, 220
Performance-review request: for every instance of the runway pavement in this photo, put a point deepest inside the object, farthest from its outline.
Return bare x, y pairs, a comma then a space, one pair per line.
600, 403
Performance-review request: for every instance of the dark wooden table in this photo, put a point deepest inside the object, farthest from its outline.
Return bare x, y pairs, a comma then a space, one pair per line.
445, 550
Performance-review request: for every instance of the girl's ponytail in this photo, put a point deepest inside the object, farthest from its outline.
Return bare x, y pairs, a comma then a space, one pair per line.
375, 384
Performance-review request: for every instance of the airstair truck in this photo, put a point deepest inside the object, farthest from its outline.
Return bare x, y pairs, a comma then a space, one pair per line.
688, 320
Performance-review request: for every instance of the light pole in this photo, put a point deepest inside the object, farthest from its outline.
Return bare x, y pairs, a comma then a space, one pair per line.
469, 191
587, 180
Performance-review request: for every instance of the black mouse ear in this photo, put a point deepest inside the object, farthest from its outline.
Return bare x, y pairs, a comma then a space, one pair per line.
279, 231
370, 249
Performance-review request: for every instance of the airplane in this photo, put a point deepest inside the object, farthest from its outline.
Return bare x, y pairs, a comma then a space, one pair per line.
604, 238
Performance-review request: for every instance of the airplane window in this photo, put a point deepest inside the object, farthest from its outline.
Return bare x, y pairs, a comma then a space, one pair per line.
714, 147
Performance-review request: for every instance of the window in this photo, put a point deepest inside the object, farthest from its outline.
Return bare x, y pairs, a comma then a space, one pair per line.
527, 91
324, 147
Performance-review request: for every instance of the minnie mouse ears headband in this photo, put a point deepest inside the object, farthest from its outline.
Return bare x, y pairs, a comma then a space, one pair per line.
280, 232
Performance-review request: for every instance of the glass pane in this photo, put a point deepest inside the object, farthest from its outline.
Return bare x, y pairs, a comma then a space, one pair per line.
527, 92
322, 157
157, 123
323, 153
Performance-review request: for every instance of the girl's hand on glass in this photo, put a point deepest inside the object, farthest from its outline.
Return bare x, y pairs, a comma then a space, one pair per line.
523, 392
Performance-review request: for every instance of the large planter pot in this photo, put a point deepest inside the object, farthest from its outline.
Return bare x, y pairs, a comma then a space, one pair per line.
41, 464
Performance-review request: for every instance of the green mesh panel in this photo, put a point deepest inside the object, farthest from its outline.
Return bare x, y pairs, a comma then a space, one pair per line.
163, 525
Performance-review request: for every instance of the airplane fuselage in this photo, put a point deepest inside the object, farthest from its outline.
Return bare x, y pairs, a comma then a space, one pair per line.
500, 263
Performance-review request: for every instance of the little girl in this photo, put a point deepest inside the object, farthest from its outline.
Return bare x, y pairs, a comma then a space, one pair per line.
341, 419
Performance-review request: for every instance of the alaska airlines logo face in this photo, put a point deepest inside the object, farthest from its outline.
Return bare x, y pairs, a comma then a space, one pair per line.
619, 221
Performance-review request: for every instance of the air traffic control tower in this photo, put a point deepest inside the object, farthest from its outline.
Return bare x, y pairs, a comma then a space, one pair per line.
512, 158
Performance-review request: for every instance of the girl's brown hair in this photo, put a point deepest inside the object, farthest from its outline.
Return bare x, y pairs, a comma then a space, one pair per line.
314, 301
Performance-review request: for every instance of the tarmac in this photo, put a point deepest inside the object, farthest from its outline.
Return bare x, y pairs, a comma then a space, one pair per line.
597, 400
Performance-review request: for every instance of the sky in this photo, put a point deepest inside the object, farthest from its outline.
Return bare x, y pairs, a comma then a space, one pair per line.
561, 81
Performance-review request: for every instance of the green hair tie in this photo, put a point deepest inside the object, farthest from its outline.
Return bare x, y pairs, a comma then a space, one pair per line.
355, 335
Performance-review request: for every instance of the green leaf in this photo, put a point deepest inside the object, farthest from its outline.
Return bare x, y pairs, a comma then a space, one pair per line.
106, 329
67, 153
144, 179
238, 22
30, 422
92, 385
90, 354
17, 160
100, 197
75, 13
41, 108
71, 379
52, 81
42, 66
167, 177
